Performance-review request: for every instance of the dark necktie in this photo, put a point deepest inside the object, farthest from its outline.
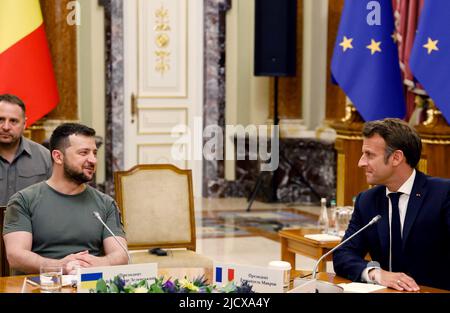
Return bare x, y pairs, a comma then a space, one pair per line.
396, 237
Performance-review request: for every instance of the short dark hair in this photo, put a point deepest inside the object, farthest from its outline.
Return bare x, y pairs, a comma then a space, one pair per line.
60, 136
398, 135
14, 100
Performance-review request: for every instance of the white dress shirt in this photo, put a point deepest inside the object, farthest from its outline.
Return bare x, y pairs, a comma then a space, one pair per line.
405, 189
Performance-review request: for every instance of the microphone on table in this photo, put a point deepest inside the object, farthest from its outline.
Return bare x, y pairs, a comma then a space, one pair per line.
373, 221
97, 215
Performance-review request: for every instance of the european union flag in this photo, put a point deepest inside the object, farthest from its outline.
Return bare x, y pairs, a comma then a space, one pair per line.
365, 62
430, 57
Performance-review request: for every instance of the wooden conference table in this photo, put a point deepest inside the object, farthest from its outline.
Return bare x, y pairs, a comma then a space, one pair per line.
13, 284
294, 241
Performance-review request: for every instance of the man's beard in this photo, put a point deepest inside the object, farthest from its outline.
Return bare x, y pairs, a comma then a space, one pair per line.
75, 176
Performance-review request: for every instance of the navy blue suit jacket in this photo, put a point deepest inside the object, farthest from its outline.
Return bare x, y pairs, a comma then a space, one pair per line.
426, 233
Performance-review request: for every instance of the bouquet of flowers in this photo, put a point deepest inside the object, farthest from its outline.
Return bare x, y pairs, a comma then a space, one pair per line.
198, 285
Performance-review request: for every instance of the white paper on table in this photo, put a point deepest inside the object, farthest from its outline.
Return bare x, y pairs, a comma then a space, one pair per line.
323, 237
360, 287
68, 280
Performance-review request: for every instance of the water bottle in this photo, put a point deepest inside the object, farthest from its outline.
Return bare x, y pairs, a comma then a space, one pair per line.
334, 229
322, 224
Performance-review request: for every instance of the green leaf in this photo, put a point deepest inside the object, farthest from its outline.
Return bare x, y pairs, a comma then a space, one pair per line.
114, 288
229, 288
154, 288
101, 286
200, 281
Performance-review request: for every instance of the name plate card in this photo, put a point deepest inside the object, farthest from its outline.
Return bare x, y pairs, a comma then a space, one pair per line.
262, 279
88, 277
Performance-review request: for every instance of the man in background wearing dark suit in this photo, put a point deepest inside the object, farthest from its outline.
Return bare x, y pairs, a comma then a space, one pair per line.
410, 245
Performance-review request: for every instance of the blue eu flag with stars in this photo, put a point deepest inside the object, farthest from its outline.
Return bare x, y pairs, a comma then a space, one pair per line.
430, 57
365, 61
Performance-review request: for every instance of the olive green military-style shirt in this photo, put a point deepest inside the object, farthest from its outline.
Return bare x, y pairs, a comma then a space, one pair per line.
62, 224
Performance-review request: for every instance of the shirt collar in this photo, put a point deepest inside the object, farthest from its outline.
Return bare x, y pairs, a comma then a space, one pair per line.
407, 186
24, 146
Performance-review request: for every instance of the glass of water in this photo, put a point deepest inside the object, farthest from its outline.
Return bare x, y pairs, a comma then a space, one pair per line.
50, 278
343, 219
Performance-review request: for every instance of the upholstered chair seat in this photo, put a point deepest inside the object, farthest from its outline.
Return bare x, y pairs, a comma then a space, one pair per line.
157, 206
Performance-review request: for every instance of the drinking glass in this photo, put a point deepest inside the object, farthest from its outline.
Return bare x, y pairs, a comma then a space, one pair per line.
50, 278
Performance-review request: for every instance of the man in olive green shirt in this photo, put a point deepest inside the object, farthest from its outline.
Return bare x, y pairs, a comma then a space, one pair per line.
52, 222
22, 161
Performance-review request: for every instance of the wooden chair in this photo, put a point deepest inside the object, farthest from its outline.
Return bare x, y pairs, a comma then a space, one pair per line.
157, 206
4, 265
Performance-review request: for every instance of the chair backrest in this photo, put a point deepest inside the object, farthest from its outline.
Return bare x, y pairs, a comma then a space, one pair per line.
4, 265
157, 206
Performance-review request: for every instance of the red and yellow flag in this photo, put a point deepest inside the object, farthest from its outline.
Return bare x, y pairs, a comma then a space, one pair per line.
25, 64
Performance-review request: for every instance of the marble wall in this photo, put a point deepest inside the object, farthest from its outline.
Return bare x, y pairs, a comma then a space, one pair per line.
306, 173
307, 170
114, 102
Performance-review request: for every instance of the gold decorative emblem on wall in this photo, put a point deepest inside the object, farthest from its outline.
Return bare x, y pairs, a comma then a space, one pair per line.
162, 19
162, 27
162, 40
162, 65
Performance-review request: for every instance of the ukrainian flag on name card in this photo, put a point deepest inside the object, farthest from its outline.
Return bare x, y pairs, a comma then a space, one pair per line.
89, 281
221, 272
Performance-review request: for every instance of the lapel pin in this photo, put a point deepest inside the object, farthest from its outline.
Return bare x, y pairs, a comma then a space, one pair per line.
417, 194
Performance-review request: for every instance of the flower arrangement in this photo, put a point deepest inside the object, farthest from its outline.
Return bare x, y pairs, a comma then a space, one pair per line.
198, 285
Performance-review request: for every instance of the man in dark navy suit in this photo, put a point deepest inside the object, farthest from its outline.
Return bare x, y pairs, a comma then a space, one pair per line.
410, 245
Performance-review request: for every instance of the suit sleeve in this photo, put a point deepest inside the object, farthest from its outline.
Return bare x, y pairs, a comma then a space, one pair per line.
447, 214
348, 261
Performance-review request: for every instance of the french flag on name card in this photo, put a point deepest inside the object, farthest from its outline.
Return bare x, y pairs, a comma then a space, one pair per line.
221, 272
89, 281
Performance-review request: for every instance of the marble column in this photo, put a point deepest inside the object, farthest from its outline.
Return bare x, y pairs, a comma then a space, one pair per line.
214, 88
114, 85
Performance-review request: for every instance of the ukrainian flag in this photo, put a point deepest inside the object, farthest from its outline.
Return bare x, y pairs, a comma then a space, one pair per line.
89, 281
